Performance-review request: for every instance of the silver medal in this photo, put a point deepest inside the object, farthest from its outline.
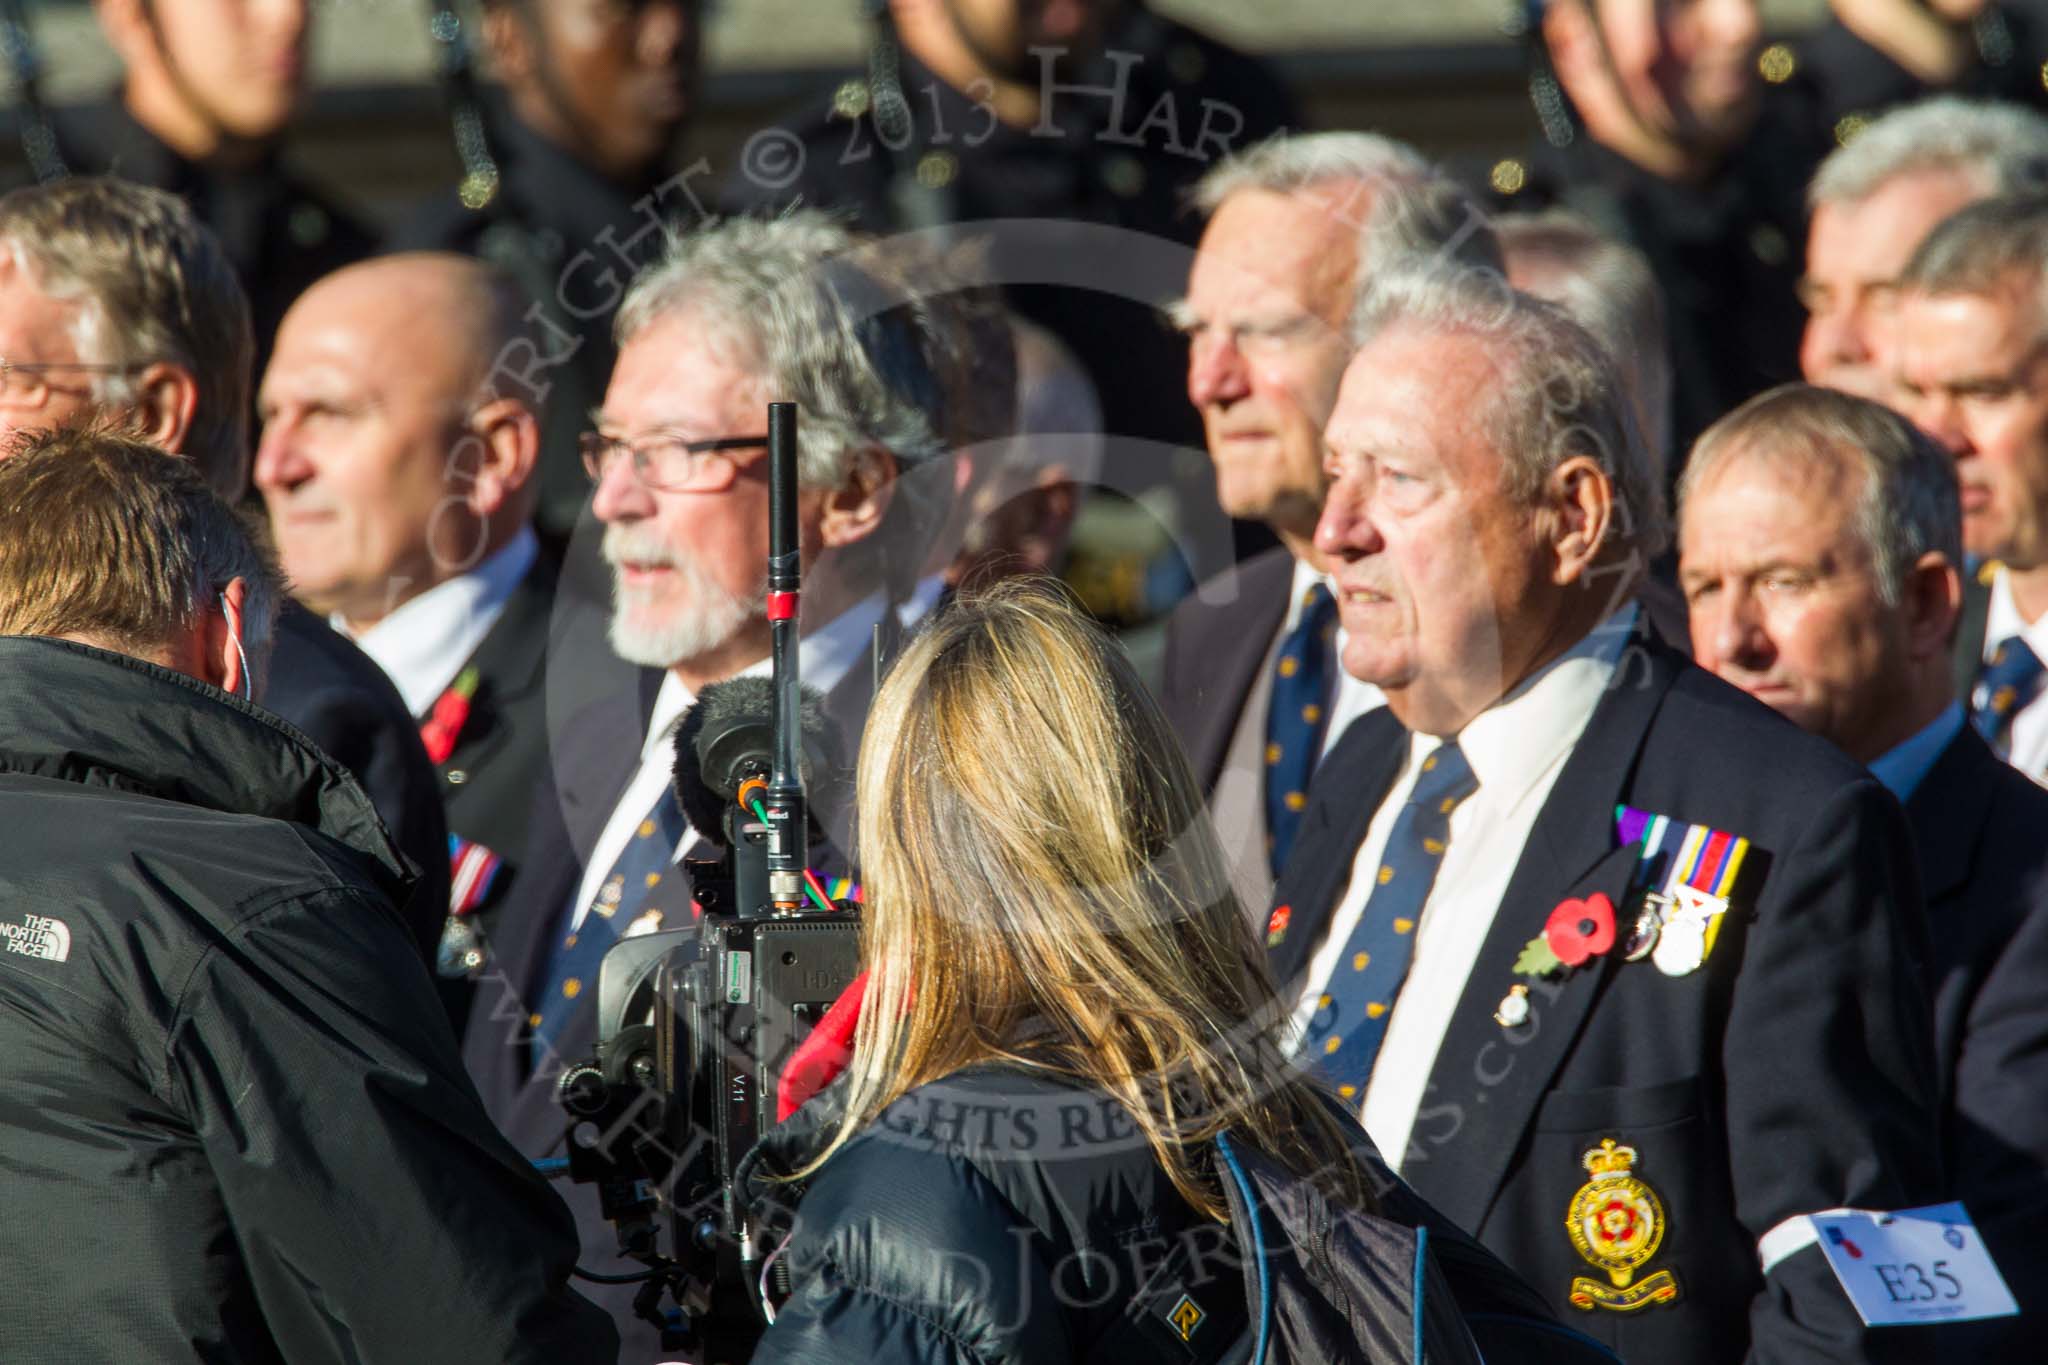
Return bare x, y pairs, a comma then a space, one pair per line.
461, 953
1682, 946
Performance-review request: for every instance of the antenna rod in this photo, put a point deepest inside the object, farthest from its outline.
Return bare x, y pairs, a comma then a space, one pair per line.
788, 824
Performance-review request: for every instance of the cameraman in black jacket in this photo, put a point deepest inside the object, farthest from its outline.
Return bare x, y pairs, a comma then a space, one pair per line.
234, 1124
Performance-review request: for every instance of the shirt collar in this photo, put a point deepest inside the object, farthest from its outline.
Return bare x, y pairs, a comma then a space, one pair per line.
2002, 619
1305, 577
922, 599
824, 657
424, 643
1902, 767
1515, 741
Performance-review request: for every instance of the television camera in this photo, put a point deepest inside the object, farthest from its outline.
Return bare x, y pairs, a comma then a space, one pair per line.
698, 1027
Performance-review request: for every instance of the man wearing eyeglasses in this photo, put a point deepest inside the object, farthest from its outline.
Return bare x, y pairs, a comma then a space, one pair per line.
730, 318
398, 477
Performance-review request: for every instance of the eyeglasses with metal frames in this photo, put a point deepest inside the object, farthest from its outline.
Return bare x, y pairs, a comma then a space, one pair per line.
24, 384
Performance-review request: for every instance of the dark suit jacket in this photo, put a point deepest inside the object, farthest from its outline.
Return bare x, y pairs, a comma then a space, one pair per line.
488, 779
334, 692
281, 231
502, 752
1215, 641
1969, 646
1218, 637
1791, 1073
1979, 825
596, 755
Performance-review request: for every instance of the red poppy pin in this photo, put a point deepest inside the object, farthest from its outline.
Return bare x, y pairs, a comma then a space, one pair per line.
1276, 927
1576, 931
443, 726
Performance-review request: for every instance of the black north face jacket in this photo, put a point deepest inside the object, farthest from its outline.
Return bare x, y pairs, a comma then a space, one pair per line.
233, 1124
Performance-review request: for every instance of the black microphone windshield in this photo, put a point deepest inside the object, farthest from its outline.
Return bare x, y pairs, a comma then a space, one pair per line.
728, 735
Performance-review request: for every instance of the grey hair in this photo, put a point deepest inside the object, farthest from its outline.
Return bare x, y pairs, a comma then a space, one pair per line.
1289, 163
1563, 395
1414, 209
1608, 288
154, 285
1983, 248
2002, 148
1908, 503
825, 323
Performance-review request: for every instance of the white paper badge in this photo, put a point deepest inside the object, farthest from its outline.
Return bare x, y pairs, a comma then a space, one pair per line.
1913, 1266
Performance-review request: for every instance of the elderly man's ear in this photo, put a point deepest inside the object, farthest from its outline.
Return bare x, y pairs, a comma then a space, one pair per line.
166, 396
1581, 498
856, 508
504, 448
1933, 604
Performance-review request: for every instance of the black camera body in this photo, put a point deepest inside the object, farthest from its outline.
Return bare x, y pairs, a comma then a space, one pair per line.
695, 1029
758, 988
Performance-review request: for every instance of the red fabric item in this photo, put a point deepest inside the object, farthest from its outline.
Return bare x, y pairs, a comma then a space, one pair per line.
443, 726
823, 1054
1579, 929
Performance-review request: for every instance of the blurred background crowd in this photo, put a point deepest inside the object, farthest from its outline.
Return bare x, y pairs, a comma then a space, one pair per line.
313, 134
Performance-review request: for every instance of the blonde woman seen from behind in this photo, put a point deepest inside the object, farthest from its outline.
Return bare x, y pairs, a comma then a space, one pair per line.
1064, 1008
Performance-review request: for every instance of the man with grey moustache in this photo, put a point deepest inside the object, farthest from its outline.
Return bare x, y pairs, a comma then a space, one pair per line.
728, 319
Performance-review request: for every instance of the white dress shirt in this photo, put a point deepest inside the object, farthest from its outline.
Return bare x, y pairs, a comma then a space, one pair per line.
922, 600
1238, 804
1516, 749
2002, 621
423, 645
824, 657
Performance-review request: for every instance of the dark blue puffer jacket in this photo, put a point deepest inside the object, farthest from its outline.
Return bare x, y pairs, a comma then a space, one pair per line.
1000, 1216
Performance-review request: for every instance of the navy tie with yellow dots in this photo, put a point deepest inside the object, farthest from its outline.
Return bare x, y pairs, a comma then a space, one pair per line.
1295, 718
1344, 1034
621, 898
2011, 679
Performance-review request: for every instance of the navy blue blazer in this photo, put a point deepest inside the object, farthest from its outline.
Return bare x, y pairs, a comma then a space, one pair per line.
1216, 640
1789, 1074
1982, 832
1218, 637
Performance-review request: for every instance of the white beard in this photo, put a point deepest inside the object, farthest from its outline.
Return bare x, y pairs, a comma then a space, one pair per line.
702, 617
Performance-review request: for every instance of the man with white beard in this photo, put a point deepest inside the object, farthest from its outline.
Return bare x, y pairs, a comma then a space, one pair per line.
730, 318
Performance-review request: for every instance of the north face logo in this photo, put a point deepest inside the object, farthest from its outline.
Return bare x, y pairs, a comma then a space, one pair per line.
38, 936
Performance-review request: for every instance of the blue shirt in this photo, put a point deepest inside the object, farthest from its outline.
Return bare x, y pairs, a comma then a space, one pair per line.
1901, 767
